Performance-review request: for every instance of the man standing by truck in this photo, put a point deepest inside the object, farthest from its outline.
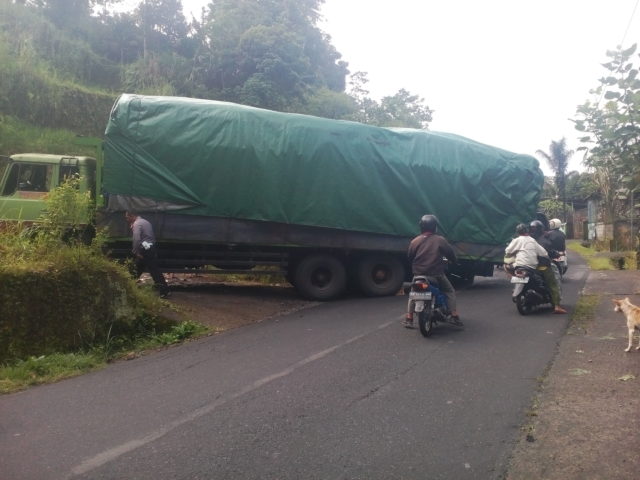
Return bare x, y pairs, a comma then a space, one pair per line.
144, 251
426, 254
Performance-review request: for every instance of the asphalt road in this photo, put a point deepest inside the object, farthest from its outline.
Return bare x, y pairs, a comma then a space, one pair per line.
340, 391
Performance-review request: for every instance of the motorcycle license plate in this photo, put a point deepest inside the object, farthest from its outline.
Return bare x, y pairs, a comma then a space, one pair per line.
420, 295
519, 279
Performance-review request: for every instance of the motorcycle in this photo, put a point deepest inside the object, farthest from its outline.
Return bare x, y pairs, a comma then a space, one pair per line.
529, 290
430, 304
561, 262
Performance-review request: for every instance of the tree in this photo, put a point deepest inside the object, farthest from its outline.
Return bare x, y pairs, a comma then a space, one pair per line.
270, 59
405, 110
117, 37
580, 187
158, 74
549, 189
558, 160
162, 23
552, 208
400, 110
268, 53
612, 128
68, 13
328, 104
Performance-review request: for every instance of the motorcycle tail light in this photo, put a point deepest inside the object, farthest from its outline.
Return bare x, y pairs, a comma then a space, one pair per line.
421, 286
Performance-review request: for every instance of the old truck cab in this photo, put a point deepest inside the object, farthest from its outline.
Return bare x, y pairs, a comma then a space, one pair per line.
25, 180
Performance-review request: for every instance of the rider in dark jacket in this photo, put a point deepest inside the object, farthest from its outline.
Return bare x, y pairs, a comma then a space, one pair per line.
557, 239
426, 253
551, 274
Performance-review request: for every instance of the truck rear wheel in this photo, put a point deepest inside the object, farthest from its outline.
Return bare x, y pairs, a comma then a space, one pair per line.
379, 275
320, 277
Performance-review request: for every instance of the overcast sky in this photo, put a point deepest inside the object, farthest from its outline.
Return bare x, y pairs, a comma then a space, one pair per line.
504, 72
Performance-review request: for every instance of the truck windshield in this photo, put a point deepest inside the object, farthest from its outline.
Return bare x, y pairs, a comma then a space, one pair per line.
28, 178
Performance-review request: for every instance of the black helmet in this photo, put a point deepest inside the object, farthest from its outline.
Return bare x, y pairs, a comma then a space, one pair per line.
544, 220
522, 229
428, 223
536, 229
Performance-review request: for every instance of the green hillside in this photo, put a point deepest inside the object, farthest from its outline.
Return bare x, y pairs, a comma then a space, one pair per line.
53, 86
66, 61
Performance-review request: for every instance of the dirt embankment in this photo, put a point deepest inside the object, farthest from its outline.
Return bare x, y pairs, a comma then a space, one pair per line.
223, 306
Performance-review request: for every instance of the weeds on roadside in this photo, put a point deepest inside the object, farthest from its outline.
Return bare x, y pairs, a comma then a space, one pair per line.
130, 316
601, 260
21, 374
583, 313
45, 369
590, 255
176, 334
57, 236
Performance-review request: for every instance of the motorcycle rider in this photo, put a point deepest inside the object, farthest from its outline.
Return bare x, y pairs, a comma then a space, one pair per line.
555, 236
551, 274
426, 254
552, 241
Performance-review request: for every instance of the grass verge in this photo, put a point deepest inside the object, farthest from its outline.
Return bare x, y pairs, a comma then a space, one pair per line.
21, 374
590, 255
604, 260
583, 313
46, 369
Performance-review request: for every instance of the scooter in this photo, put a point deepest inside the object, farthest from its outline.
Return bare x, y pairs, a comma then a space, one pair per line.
430, 304
529, 290
561, 262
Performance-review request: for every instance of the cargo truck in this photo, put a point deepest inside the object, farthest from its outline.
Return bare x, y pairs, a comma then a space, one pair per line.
330, 204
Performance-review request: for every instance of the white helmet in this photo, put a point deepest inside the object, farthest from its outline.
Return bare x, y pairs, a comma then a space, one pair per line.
554, 224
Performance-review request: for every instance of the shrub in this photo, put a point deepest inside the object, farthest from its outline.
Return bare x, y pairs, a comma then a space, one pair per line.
58, 294
65, 301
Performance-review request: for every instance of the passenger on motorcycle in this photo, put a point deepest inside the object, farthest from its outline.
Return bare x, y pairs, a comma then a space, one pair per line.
426, 254
524, 250
550, 274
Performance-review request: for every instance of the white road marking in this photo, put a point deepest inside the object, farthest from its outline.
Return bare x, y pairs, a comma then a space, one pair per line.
119, 450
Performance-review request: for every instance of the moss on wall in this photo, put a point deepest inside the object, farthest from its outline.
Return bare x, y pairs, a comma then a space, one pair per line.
66, 307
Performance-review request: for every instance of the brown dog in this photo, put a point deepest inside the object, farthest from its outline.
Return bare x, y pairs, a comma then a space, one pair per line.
632, 314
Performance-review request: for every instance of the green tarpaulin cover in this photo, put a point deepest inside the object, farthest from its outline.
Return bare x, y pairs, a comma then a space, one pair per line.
201, 157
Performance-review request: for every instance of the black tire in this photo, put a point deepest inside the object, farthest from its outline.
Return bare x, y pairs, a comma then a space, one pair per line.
521, 305
462, 281
320, 277
379, 275
425, 322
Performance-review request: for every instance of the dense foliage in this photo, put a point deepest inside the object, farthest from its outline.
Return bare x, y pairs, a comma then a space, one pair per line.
58, 294
558, 160
65, 62
611, 126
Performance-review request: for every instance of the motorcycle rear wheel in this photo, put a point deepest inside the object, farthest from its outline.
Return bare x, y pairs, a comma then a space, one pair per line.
425, 321
521, 305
